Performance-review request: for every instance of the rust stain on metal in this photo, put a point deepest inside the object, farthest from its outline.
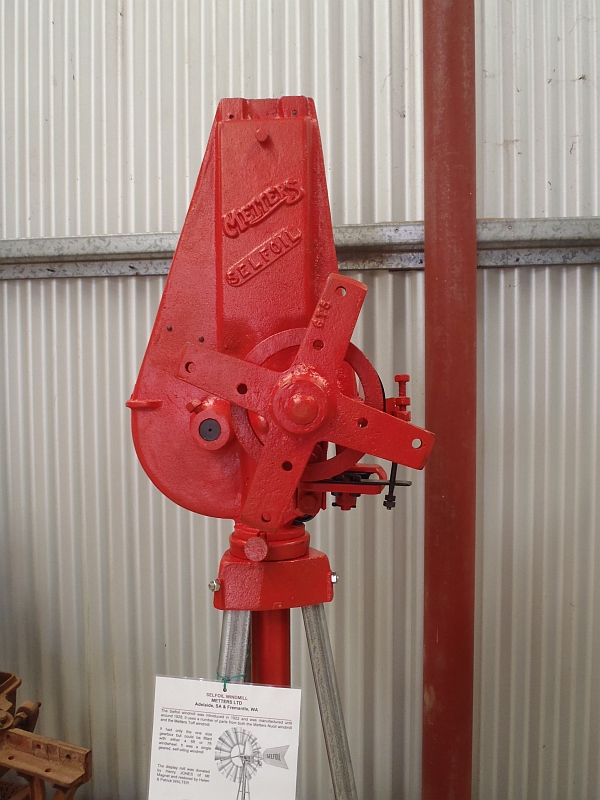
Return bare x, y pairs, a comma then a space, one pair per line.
36, 759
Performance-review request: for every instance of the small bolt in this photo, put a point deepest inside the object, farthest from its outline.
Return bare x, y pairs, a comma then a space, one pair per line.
302, 409
209, 430
334, 577
309, 502
256, 548
262, 135
401, 403
214, 586
390, 498
402, 380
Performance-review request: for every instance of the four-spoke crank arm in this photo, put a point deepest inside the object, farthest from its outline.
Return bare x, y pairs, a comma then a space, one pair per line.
277, 475
229, 378
331, 326
304, 405
369, 430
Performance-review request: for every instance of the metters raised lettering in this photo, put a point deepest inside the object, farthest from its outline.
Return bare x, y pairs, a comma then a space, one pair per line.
261, 206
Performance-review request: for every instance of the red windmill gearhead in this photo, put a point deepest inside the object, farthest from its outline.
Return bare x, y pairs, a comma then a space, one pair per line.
249, 374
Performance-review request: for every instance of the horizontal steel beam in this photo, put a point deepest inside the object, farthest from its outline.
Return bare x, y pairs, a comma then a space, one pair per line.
392, 246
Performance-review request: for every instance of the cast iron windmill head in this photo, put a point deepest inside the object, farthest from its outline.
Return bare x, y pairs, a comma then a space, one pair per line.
250, 378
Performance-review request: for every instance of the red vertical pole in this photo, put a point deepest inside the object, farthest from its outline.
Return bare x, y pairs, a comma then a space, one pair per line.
450, 405
271, 663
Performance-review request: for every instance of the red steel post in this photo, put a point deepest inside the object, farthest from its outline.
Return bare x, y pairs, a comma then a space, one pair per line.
450, 406
271, 647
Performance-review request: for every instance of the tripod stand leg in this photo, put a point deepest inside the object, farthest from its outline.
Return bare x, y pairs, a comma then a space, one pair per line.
330, 706
233, 651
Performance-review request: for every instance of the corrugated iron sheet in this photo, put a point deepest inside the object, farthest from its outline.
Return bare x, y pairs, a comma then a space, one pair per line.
538, 627
107, 106
105, 109
538, 108
104, 581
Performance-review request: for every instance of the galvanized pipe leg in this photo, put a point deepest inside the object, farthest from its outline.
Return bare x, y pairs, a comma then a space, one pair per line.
233, 651
330, 706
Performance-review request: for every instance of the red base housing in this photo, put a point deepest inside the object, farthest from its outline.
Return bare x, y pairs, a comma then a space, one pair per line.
273, 585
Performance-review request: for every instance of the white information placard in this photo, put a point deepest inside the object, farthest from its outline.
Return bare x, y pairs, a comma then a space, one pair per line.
214, 744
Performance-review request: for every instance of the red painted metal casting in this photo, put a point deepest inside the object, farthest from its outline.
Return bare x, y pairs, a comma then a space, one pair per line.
303, 406
250, 375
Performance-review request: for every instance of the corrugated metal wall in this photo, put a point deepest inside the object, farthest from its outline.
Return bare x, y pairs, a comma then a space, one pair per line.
108, 105
538, 108
105, 109
104, 581
538, 697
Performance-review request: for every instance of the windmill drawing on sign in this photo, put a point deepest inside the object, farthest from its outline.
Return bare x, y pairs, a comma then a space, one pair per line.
238, 758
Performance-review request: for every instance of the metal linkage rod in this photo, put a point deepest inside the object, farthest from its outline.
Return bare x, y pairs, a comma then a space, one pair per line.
330, 706
233, 651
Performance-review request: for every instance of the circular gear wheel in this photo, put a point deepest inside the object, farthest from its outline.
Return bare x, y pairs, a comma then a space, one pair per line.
247, 427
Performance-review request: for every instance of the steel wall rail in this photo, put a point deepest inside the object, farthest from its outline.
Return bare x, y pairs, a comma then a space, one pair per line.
399, 246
